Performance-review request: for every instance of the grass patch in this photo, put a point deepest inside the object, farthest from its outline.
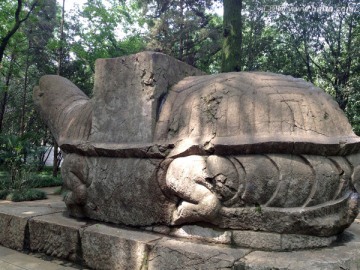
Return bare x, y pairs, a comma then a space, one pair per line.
35, 180
43, 180
26, 195
24, 188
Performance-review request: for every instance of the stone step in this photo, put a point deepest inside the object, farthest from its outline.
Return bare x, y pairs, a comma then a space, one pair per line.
44, 227
15, 260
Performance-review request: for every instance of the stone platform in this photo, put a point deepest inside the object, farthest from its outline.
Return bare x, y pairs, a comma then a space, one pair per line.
44, 226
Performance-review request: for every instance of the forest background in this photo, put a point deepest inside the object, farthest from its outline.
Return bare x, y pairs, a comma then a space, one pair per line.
318, 41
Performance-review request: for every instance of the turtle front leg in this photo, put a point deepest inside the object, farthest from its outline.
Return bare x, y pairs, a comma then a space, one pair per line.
75, 174
187, 178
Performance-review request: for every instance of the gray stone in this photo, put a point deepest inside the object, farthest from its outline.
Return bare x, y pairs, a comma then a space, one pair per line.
162, 144
13, 230
128, 93
174, 254
344, 254
131, 195
14, 223
111, 248
108, 247
203, 234
255, 113
276, 242
56, 235
257, 240
297, 241
15, 260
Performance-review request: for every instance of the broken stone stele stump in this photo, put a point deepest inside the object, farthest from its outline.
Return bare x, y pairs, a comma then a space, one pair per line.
162, 144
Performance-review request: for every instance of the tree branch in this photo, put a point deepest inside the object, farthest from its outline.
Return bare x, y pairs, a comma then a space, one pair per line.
4, 41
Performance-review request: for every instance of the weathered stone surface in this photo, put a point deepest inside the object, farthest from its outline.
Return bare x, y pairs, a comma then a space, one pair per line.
253, 112
203, 233
128, 93
344, 255
257, 240
13, 230
14, 224
278, 193
116, 190
275, 241
174, 254
246, 151
56, 235
111, 248
297, 241
106, 247
64, 107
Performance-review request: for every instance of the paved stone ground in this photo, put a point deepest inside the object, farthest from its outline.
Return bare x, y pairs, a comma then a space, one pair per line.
15, 260
44, 227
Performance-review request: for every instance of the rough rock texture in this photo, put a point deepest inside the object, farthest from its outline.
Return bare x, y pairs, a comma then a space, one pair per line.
128, 94
116, 190
255, 112
110, 248
344, 255
205, 234
66, 109
275, 241
14, 224
12, 233
162, 144
174, 254
280, 193
56, 235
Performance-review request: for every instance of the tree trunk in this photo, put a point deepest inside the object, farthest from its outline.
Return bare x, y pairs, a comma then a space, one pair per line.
232, 46
181, 40
4, 98
18, 21
23, 105
56, 161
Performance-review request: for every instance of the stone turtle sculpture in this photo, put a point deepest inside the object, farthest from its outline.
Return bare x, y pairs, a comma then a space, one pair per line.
160, 143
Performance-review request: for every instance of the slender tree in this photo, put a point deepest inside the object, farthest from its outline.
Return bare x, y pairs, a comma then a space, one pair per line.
5, 94
4, 41
232, 46
59, 72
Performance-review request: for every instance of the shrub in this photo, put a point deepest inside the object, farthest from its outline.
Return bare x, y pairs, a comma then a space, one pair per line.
26, 195
37, 181
3, 194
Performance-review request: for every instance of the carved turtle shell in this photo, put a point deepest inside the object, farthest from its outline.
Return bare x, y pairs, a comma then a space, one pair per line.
243, 113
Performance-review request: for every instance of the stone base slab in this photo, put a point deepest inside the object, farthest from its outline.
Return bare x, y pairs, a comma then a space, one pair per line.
246, 239
102, 246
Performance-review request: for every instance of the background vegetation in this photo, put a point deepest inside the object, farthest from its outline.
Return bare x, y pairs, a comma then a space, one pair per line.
315, 40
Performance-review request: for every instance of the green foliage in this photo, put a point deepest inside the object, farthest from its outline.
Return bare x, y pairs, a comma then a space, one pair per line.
38, 180
324, 42
24, 190
184, 29
26, 195
4, 194
18, 156
353, 106
321, 47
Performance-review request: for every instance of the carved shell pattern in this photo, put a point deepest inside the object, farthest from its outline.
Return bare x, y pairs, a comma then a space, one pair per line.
272, 180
